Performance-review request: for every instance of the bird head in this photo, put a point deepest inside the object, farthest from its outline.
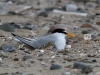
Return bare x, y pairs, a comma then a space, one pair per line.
63, 31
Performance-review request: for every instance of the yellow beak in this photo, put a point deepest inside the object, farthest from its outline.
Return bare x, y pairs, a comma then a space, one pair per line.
71, 35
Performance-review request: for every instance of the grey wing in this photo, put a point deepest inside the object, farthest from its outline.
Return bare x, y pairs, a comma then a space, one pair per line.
24, 40
42, 41
35, 43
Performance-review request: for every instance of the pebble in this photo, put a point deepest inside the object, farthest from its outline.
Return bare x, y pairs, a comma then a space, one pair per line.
16, 59
43, 14
27, 57
42, 51
71, 8
87, 37
66, 73
8, 48
75, 27
14, 25
7, 27
97, 23
86, 25
68, 46
94, 60
30, 27
79, 65
0, 59
86, 69
85, 32
55, 67
40, 55
52, 57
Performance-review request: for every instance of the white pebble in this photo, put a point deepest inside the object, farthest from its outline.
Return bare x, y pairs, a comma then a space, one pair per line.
42, 51
68, 46
0, 59
66, 73
52, 57
87, 37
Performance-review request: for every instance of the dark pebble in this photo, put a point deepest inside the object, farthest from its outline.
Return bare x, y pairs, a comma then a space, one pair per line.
27, 57
7, 27
94, 60
27, 52
15, 25
55, 67
85, 32
75, 42
8, 48
98, 35
30, 27
43, 14
40, 55
86, 70
79, 65
16, 59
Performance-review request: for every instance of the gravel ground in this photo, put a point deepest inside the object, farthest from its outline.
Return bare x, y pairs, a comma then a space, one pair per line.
27, 61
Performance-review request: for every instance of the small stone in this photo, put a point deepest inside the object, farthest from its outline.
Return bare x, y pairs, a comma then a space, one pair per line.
98, 34
52, 57
66, 73
30, 27
68, 46
8, 48
87, 37
43, 14
79, 65
75, 27
27, 57
0, 59
14, 25
55, 67
94, 60
97, 23
7, 27
83, 55
42, 51
86, 69
85, 32
86, 25
16, 59
40, 55
71, 7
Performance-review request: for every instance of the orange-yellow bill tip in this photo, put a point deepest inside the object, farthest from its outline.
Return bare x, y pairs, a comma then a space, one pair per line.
71, 35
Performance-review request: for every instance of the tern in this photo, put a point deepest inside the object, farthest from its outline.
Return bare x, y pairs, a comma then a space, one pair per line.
57, 38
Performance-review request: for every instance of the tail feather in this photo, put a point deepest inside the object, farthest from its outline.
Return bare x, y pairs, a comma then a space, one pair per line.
24, 40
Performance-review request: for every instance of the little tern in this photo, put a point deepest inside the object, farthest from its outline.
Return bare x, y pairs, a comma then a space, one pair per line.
57, 38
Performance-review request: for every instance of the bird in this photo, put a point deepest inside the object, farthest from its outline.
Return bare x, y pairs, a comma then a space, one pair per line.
56, 38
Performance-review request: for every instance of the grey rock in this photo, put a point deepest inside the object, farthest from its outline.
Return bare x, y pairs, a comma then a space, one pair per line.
7, 27
14, 25
85, 32
43, 14
8, 48
27, 57
55, 67
79, 65
86, 70
94, 60
29, 26
71, 8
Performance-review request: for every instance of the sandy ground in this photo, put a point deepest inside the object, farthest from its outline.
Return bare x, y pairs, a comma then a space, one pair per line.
39, 63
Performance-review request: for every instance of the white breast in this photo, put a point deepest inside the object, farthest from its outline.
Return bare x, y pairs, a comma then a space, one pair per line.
60, 41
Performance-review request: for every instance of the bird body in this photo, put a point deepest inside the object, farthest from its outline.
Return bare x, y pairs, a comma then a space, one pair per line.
57, 39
